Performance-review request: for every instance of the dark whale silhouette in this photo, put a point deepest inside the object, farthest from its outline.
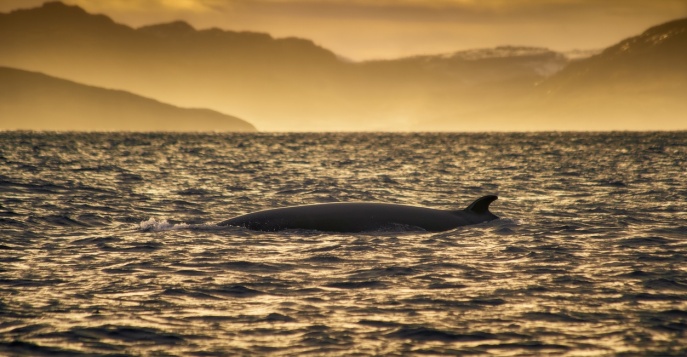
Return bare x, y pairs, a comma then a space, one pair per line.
360, 217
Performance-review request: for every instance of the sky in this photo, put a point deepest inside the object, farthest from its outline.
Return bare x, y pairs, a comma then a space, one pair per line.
377, 29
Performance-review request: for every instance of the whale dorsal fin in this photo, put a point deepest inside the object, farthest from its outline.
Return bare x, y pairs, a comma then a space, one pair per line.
481, 205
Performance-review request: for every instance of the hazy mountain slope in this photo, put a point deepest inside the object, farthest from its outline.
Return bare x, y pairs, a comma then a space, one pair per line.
244, 73
281, 84
467, 90
34, 101
640, 81
657, 55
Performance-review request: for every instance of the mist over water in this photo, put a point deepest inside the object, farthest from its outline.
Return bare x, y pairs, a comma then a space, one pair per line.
109, 245
74, 58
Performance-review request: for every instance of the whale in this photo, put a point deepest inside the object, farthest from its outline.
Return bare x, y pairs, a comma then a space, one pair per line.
354, 217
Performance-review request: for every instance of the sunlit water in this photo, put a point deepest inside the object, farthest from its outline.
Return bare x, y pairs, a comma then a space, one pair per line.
109, 245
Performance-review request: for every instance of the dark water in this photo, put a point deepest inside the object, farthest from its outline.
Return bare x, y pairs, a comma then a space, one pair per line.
108, 246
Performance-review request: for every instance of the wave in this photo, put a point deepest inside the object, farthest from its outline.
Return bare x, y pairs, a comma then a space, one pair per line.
154, 225
161, 225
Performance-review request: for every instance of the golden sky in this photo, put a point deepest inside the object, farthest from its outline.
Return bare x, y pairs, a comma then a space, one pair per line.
366, 29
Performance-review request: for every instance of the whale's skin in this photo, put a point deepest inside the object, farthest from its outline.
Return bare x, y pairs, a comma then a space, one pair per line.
361, 216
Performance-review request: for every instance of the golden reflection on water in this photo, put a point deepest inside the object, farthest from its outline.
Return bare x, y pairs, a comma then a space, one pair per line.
583, 264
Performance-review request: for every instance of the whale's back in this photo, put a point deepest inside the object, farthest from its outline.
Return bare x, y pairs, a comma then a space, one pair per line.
357, 217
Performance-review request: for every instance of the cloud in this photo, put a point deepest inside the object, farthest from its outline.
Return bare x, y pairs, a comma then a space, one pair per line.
403, 27
163, 6
401, 11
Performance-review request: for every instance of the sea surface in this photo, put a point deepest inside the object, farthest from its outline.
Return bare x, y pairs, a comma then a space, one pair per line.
109, 245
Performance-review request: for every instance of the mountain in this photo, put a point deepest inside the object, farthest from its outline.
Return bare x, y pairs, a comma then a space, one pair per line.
295, 84
249, 74
463, 91
641, 81
281, 84
658, 56
34, 101
475, 67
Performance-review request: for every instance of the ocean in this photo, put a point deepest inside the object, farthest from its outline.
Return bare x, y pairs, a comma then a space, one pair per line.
109, 245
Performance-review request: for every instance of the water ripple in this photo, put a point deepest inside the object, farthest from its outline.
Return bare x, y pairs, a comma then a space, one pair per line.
109, 245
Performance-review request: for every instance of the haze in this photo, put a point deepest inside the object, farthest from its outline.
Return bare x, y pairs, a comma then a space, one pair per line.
352, 66
367, 29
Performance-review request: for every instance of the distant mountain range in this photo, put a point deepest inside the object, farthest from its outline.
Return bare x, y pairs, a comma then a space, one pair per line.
34, 101
294, 84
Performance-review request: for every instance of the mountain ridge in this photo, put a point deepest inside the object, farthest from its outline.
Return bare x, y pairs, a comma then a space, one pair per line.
36, 101
295, 84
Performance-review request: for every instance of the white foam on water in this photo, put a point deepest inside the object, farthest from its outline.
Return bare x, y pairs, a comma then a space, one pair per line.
154, 225
161, 225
